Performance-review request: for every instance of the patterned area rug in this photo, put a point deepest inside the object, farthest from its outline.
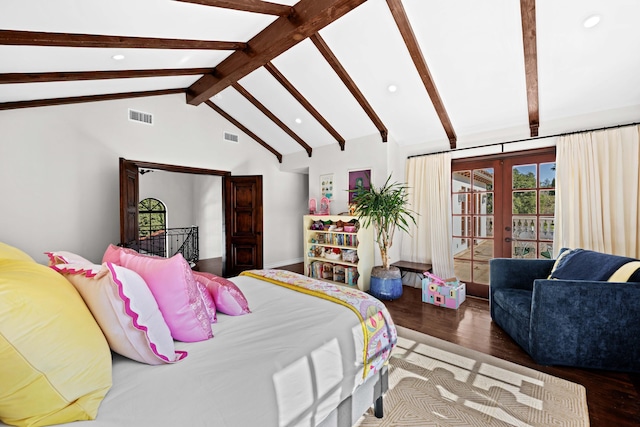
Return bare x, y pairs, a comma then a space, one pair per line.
436, 383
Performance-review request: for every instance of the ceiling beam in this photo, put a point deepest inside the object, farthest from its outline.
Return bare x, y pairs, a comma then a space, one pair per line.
244, 129
82, 99
272, 116
33, 38
97, 75
402, 21
303, 101
349, 83
529, 39
255, 6
285, 32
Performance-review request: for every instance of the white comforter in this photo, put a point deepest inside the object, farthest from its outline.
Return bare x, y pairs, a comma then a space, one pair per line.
288, 363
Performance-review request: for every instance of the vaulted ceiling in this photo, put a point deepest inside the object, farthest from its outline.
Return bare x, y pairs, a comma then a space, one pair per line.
297, 75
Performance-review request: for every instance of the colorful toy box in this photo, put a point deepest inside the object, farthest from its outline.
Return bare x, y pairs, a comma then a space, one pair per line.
448, 293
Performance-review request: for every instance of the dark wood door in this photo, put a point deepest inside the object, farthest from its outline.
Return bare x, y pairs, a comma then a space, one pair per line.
243, 217
128, 201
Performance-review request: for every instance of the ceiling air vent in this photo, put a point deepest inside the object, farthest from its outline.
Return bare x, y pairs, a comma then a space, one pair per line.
231, 137
139, 116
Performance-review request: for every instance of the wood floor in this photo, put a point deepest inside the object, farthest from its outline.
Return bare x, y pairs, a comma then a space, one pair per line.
613, 397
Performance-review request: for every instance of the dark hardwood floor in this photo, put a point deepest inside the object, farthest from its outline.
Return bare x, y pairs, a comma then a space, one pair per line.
613, 397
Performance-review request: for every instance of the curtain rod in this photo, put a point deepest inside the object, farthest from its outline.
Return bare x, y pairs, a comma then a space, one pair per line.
526, 139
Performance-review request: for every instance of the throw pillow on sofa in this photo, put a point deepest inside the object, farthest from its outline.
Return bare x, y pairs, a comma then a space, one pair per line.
582, 264
56, 363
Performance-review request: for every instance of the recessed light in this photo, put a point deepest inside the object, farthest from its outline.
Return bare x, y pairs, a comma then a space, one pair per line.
591, 21
298, 120
392, 88
118, 57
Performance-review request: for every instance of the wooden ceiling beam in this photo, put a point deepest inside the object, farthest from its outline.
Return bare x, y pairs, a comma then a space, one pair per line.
309, 16
33, 38
304, 102
349, 83
402, 21
255, 6
97, 75
272, 116
529, 39
82, 99
244, 129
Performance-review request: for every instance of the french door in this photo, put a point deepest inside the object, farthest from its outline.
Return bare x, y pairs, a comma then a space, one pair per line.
502, 206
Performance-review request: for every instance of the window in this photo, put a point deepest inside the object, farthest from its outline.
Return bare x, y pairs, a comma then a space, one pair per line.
152, 217
152, 223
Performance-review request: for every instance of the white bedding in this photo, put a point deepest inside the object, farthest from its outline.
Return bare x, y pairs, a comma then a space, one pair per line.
288, 363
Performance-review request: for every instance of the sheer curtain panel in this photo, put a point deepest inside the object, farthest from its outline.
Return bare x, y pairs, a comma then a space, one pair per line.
598, 191
429, 181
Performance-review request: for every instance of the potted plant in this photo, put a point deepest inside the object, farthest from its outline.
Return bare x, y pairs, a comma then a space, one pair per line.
385, 208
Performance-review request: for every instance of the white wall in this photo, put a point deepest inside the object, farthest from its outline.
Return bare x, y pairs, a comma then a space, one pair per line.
190, 200
208, 214
362, 153
175, 190
59, 185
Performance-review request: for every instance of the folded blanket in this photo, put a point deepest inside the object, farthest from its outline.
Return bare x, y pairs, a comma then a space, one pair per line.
581, 264
378, 328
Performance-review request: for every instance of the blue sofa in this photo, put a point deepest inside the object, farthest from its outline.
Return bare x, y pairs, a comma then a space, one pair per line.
584, 322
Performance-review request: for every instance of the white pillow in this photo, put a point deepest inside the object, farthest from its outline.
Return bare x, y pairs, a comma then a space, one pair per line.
65, 257
126, 311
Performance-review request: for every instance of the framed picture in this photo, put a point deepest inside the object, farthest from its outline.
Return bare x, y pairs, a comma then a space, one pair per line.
326, 186
358, 178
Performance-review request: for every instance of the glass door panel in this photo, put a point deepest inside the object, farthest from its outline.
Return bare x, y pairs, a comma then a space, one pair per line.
532, 197
473, 225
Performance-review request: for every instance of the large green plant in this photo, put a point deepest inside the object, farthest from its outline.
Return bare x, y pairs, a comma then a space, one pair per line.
385, 208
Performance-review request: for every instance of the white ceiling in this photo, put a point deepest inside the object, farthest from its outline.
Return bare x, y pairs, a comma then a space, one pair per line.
474, 51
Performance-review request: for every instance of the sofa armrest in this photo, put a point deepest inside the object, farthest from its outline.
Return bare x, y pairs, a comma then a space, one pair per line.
517, 273
588, 324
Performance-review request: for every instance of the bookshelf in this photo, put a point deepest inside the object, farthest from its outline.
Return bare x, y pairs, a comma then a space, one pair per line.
336, 255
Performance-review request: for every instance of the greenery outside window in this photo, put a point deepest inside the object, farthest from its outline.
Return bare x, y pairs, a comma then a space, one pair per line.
152, 217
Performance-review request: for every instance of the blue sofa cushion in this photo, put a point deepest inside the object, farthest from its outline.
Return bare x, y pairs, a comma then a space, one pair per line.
581, 264
518, 301
513, 313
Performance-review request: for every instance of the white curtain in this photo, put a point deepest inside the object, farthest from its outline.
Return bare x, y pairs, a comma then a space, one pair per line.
429, 181
598, 191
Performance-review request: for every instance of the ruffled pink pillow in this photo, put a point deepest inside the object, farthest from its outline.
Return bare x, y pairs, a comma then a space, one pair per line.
207, 299
126, 311
228, 298
173, 285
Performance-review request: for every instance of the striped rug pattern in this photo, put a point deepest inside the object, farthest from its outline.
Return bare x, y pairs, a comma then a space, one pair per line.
436, 383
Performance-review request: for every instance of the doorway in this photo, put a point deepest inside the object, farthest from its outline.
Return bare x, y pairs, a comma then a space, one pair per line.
129, 199
502, 207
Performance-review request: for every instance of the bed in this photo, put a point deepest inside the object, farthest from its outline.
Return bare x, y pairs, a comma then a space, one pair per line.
297, 359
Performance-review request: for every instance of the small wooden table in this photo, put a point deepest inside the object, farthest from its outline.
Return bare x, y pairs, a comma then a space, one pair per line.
412, 267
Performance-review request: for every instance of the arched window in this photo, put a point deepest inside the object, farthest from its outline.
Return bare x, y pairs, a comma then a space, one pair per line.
152, 217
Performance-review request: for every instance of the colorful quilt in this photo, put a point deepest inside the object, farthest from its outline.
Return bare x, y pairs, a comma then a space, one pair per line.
379, 331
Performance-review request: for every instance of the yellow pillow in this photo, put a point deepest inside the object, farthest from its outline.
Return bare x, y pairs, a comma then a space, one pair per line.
9, 252
56, 363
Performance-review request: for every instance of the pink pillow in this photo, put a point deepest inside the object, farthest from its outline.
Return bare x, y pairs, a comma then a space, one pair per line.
126, 311
172, 284
112, 254
207, 299
228, 298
